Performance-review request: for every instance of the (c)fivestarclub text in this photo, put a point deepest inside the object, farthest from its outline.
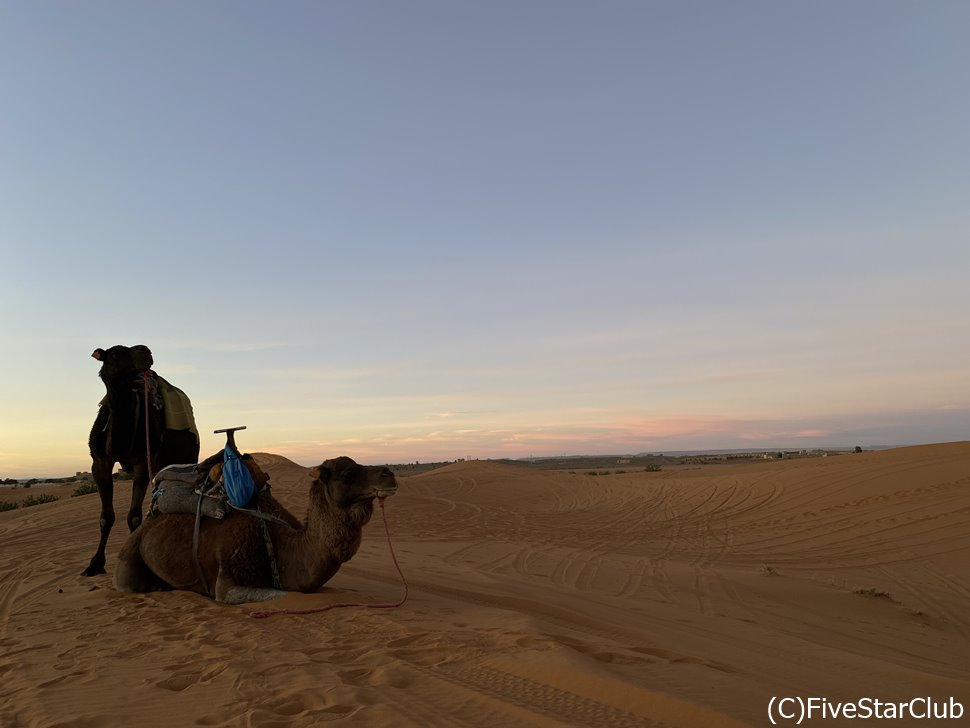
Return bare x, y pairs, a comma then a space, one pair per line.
797, 709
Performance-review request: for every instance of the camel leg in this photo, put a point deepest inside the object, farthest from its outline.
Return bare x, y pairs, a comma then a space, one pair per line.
132, 574
101, 471
228, 592
139, 486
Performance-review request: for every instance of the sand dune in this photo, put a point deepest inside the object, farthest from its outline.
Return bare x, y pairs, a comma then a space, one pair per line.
680, 598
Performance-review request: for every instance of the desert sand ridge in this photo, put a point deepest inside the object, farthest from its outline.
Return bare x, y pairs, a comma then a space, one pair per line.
538, 598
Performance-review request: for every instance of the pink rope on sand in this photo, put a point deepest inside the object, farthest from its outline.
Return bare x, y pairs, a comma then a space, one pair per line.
314, 610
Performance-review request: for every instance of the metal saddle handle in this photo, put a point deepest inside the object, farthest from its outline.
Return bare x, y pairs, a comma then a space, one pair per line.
230, 435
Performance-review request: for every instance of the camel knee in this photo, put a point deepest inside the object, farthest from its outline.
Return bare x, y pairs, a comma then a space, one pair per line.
134, 520
107, 521
128, 580
123, 579
132, 575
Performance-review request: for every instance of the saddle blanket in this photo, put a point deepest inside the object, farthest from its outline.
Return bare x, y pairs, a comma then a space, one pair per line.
178, 408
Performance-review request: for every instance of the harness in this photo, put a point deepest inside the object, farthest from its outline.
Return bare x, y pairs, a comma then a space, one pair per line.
264, 520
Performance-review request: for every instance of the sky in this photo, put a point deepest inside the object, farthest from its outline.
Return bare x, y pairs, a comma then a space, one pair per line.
436, 230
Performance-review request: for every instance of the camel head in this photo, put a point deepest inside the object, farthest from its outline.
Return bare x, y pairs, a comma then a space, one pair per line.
121, 363
352, 487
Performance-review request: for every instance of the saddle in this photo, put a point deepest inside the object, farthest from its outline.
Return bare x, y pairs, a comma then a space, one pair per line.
181, 488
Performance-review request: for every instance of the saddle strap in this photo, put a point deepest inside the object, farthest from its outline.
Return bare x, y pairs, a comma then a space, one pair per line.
271, 552
262, 515
263, 519
195, 547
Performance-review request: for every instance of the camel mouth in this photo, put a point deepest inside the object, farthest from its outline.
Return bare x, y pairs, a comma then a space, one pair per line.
384, 491
386, 485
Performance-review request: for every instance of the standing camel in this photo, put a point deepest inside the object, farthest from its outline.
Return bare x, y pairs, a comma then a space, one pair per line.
137, 399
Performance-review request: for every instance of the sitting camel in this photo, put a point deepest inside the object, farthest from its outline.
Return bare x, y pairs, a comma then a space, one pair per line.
233, 554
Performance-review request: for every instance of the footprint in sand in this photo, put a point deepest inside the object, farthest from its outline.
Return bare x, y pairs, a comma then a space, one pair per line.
178, 683
182, 680
674, 658
354, 677
71, 677
389, 676
420, 638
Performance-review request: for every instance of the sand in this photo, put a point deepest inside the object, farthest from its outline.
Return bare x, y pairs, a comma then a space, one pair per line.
681, 598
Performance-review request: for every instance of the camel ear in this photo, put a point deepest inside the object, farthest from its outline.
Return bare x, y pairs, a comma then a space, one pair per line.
320, 473
97, 354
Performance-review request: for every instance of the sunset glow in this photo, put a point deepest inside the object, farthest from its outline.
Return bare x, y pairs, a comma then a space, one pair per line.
427, 231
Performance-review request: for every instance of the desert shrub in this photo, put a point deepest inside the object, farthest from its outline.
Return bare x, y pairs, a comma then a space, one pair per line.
7, 506
652, 469
37, 500
84, 489
592, 472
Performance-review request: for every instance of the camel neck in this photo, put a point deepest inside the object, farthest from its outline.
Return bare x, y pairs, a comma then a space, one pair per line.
310, 557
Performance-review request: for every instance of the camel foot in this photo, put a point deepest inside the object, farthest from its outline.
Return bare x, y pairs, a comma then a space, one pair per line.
94, 569
247, 594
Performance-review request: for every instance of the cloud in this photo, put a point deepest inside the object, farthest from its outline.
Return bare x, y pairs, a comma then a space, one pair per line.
228, 347
459, 413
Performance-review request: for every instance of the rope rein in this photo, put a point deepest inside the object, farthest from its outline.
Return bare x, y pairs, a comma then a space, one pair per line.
270, 612
148, 444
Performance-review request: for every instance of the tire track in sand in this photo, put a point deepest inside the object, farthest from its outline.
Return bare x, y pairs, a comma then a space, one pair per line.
541, 698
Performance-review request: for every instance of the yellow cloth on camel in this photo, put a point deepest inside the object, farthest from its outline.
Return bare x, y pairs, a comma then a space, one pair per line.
178, 408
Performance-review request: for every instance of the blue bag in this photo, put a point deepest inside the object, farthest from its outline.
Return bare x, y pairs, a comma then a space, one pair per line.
236, 478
